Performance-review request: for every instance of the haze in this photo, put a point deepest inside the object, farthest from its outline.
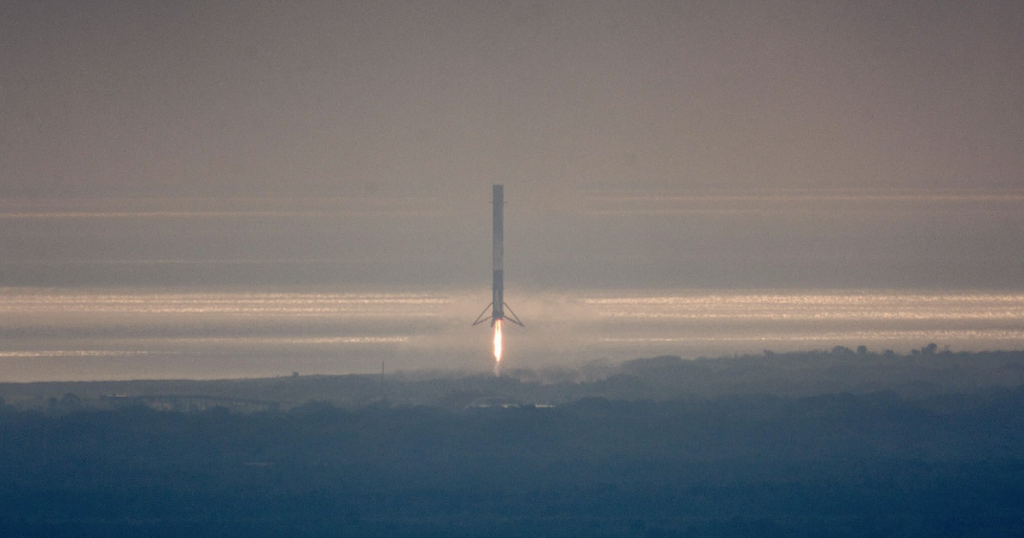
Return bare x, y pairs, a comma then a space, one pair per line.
650, 145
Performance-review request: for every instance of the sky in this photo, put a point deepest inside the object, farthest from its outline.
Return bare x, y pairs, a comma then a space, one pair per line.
643, 144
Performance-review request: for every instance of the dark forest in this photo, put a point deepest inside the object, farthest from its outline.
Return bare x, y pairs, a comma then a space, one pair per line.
931, 460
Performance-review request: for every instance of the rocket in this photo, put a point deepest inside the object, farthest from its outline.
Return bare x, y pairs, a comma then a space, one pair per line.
498, 306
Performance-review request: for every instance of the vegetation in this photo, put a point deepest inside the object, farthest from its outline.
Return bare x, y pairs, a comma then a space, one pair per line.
925, 372
841, 464
733, 460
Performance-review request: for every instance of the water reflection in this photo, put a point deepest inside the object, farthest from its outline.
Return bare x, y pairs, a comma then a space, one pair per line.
107, 334
809, 306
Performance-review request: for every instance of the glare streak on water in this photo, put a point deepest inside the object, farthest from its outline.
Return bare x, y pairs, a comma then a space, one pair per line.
116, 334
814, 307
313, 305
74, 353
829, 337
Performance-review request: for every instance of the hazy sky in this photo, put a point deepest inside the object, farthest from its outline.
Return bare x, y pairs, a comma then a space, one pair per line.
725, 143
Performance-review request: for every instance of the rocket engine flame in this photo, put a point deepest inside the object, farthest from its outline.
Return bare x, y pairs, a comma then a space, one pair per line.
498, 340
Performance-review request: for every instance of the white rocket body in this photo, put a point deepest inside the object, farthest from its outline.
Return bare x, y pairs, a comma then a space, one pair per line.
498, 305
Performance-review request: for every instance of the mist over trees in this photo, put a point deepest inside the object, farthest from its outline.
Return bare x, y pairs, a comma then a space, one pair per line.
807, 457
925, 372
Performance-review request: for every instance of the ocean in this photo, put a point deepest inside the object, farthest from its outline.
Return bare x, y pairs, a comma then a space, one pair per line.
144, 333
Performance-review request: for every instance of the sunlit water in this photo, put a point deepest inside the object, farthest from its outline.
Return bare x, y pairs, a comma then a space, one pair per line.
71, 334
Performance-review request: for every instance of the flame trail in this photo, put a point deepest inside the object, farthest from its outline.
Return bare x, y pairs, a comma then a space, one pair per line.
497, 345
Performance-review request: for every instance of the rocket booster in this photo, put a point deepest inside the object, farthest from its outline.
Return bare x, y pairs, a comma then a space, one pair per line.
498, 284
498, 305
